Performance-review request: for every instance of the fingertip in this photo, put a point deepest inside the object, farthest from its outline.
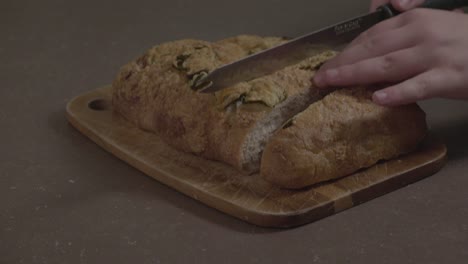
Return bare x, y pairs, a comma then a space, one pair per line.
327, 65
326, 77
388, 97
381, 98
400, 5
332, 74
405, 5
376, 3
385, 98
318, 80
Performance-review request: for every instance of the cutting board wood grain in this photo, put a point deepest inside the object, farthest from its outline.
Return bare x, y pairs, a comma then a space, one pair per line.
249, 198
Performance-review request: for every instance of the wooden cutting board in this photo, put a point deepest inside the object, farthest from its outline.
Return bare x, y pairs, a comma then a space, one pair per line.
246, 197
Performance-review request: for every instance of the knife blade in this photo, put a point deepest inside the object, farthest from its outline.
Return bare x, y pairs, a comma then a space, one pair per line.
289, 53
296, 50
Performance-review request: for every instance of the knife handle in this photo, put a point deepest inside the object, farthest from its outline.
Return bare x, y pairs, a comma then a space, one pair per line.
390, 11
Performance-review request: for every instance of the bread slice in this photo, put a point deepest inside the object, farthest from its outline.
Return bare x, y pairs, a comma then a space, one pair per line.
154, 92
339, 135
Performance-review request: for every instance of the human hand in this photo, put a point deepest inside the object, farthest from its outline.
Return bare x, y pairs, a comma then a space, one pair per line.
423, 52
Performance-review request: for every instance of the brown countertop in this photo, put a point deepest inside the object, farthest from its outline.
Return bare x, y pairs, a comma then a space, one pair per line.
65, 200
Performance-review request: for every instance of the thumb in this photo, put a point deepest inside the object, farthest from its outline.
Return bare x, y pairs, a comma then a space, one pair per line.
404, 5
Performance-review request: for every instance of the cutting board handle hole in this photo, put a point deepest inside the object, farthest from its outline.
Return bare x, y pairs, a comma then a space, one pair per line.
99, 105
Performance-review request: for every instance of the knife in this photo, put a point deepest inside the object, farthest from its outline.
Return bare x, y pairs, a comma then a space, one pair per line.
296, 50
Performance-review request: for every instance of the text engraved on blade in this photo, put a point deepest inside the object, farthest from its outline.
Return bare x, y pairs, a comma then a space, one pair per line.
347, 27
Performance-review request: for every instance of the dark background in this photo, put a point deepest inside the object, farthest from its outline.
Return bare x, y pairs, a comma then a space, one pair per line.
65, 200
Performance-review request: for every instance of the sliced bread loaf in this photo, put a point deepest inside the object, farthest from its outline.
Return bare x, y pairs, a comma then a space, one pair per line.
331, 138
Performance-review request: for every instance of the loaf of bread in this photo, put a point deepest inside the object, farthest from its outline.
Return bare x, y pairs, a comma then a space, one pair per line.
303, 141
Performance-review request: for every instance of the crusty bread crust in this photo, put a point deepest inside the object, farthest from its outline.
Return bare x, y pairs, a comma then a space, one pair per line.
339, 135
154, 93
